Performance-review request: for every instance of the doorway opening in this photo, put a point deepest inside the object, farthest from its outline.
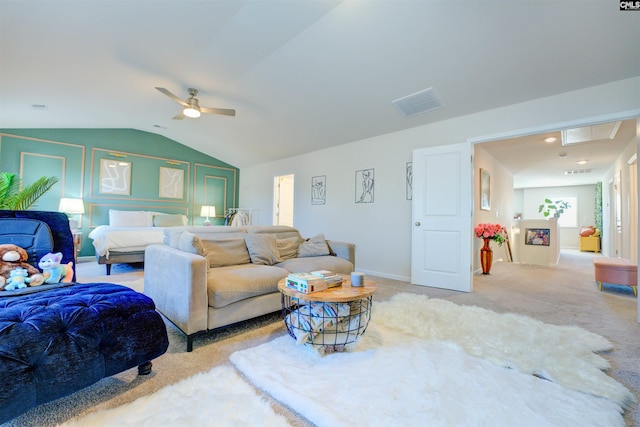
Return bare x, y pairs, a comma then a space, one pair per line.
283, 200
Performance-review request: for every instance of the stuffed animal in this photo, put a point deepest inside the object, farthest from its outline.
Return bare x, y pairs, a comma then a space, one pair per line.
53, 271
13, 257
17, 279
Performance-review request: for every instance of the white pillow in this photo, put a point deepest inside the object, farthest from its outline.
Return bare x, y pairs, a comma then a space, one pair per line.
127, 218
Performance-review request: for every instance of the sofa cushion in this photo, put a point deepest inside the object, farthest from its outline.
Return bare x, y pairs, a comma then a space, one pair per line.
223, 252
327, 262
288, 247
233, 283
315, 246
262, 249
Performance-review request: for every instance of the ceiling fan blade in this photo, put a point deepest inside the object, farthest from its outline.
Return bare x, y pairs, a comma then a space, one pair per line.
179, 116
172, 96
223, 111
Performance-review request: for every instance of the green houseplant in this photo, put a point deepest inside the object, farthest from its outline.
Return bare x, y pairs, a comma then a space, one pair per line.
553, 209
14, 198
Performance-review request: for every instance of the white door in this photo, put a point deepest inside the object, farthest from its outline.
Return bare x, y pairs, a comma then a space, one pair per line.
283, 200
442, 215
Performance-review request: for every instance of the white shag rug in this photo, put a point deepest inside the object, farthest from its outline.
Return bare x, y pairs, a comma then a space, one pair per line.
563, 354
395, 378
219, 397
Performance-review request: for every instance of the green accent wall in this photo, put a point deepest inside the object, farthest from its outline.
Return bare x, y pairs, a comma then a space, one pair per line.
122, 169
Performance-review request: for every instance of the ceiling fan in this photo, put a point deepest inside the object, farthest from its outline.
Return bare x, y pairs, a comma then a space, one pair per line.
191, 106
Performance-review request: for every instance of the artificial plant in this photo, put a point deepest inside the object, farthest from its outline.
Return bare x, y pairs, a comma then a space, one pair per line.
553, 209
12, 197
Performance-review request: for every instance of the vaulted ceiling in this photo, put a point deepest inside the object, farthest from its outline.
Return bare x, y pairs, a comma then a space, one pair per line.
302, 75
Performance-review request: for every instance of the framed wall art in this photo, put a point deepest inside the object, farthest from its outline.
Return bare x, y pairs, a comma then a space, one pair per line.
171, 183
115, 177
409, 181
485, 190
319, 190
364, 185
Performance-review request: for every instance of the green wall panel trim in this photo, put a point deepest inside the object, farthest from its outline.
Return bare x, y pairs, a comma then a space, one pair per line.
165, 176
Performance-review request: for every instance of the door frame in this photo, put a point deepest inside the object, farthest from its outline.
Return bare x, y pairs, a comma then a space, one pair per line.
549, 127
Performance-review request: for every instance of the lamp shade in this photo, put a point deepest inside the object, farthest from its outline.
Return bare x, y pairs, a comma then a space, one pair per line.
71, 206
207, 211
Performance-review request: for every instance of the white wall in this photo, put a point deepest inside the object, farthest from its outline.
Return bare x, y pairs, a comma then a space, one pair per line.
501, 211
382, 230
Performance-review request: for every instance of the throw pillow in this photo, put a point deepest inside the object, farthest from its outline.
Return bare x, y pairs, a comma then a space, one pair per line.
191, 243
168, 220
288, 247
315, 246
262, 249
225, 252
127, 218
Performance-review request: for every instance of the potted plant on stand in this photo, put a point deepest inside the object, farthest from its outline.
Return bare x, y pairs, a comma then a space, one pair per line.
489, 232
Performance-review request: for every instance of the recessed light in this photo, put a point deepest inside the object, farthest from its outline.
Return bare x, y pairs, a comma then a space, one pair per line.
550, 139
582, 162
562, 155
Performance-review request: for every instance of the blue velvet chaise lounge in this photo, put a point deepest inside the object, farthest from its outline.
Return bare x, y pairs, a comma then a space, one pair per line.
57, 339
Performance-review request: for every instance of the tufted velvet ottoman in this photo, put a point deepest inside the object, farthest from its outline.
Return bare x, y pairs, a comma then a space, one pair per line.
56, 341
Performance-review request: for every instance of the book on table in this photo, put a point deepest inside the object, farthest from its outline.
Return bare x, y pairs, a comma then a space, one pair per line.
310, 282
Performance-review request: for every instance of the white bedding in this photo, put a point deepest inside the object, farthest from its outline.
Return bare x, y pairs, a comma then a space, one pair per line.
124, 239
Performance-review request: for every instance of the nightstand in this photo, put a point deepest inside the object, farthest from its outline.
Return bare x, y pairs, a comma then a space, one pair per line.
77, 243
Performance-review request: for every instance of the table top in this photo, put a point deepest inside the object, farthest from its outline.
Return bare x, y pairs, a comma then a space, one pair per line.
340, 293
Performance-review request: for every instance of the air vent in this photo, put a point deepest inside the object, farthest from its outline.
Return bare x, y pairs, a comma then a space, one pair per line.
578, 171
417, 103
38, 107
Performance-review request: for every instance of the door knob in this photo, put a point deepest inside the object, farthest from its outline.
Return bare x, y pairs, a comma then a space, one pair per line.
417, 223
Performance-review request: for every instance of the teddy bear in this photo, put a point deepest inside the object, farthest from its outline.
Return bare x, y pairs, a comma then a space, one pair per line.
12, 257
53, 271
18, 279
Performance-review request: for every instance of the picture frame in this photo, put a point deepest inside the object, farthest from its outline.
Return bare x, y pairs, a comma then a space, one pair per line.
364, 185
409, 180
115, 177
485, 190
171, 185
319, 190
537, 236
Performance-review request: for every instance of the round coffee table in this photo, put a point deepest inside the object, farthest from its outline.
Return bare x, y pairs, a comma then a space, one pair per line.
331, 318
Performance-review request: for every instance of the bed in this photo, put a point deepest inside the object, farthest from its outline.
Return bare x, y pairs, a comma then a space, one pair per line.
129, 233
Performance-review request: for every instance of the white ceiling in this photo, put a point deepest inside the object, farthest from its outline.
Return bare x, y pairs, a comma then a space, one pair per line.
303, 75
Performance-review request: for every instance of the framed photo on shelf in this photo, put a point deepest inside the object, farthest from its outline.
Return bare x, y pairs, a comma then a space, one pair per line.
485, 190
537, 236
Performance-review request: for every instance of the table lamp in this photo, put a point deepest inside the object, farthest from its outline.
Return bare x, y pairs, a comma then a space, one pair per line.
207, 211
71, 207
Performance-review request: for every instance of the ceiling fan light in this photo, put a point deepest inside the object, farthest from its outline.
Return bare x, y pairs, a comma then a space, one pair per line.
191, 112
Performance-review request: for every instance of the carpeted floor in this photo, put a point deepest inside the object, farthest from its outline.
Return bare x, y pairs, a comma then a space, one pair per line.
565, 294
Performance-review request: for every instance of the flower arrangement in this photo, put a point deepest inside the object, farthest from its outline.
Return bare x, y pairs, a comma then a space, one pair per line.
494, 232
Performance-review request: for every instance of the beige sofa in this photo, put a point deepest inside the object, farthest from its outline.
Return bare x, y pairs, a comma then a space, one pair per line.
203, 278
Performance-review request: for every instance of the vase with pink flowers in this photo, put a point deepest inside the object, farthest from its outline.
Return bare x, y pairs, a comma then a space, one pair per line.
489, 232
